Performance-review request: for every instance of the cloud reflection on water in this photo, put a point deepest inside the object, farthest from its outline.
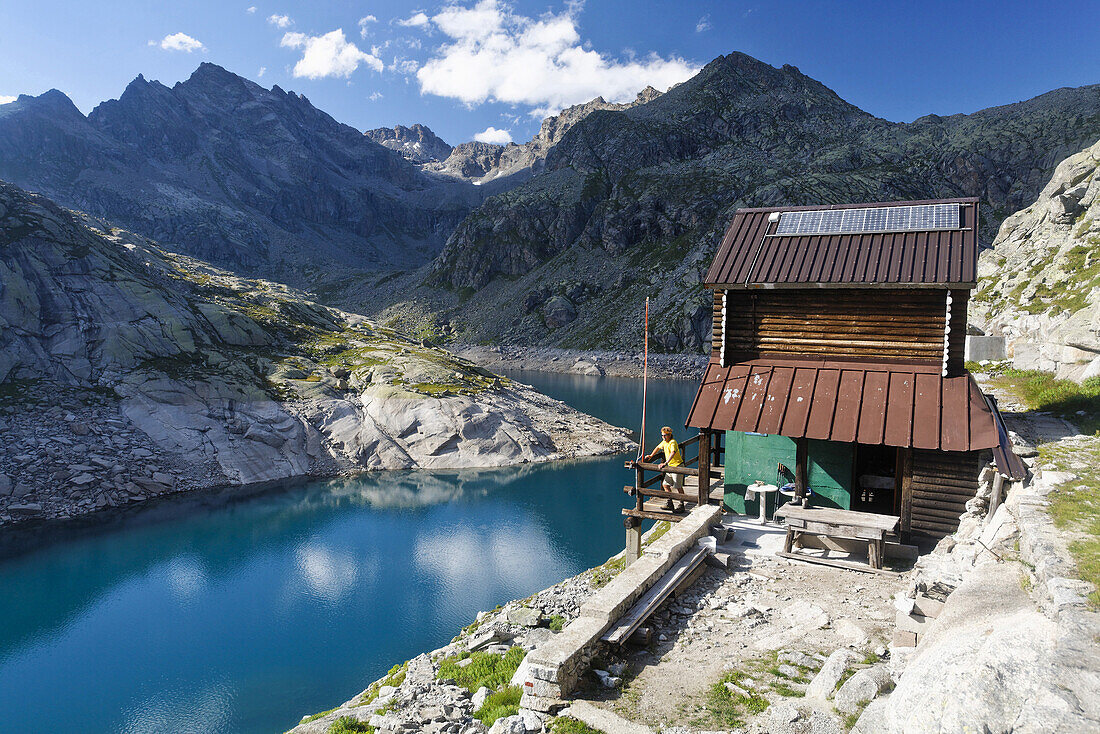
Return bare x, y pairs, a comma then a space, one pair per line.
182, 711
328, 574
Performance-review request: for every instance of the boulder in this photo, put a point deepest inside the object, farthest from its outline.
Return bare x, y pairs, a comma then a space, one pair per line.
525, 616
824, 683
862, 688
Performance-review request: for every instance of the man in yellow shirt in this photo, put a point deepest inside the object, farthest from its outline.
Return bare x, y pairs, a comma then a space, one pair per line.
673, 457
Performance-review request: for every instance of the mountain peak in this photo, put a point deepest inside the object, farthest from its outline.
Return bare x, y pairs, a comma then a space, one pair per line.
416, 142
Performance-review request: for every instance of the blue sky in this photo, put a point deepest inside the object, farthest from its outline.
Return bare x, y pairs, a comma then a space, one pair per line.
493, 69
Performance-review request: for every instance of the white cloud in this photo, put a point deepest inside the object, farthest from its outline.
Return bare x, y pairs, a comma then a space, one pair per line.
415, 20
492, 135
364, 22
6, 99
251, 9
703, 24
328, 55
375, 96
496, 55
280, 21
262, 71
404, 66
181, 42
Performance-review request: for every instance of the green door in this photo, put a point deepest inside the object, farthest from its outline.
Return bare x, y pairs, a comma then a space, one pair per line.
751, 457
829, 473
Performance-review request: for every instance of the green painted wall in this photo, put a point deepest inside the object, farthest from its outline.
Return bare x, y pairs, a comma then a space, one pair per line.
829, 473
750, 457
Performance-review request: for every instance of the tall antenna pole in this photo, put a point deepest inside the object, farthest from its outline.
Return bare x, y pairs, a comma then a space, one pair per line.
645, 378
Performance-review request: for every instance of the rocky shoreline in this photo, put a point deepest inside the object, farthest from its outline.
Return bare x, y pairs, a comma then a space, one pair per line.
582, 362
58, 463
129, 372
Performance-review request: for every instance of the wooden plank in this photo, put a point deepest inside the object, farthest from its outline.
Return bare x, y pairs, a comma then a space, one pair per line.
752, 403
906, 513
956, 429
732, 394
649, 515
872, 413
899, 409
838, 563
838, 516
926, 412
820, 422
775, 402
848, 401
652, 599
923, 512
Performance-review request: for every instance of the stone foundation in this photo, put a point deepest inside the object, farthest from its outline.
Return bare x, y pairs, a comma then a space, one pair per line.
554, 668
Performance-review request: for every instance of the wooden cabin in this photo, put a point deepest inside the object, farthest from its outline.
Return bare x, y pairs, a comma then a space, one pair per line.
837, 366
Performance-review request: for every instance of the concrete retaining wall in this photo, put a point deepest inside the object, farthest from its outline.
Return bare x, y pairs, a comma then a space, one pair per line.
554, 667
990, 348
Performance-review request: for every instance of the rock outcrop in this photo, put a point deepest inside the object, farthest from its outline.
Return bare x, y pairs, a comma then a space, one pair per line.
416, 143
1039, 287
128, 371
511, 164
1014, 646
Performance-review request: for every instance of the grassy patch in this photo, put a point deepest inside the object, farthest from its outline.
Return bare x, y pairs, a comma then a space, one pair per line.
314, 717
608, 571
1075, 506
603, 574
350, 725
728, 708
569, 725
504, 702
395, 677
557, 622
1078, 403
484, 669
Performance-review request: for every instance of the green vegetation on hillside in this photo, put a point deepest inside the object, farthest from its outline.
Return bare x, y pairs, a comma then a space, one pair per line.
1075, 505
487, 669
1078, 403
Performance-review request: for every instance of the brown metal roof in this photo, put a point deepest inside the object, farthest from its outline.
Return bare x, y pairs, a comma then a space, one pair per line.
894, 404
750, 256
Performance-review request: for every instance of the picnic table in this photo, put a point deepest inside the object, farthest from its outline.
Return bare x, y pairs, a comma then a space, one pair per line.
837, 523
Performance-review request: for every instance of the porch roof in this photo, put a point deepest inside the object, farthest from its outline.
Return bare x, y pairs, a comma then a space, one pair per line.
892, 404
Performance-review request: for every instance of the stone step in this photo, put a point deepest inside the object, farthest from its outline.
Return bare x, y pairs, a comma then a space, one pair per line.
604, 720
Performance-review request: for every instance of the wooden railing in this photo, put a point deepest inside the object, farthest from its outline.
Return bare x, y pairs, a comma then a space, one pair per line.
707, 454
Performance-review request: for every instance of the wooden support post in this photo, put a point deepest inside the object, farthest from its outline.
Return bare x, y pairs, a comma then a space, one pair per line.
788, 542
639, 482
633, 539
704, 466
801, 459
906, 495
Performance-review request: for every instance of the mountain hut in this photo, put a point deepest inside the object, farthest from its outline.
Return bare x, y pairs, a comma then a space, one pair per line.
837, 368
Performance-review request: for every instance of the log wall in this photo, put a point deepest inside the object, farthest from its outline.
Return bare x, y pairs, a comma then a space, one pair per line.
874, 324
936, 488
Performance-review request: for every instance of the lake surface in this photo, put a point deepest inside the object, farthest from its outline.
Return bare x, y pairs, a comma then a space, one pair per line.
240, 611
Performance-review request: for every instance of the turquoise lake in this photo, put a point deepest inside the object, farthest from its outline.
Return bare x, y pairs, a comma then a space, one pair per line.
240, 611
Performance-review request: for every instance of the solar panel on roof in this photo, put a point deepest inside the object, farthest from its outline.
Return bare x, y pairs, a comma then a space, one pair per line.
915, 218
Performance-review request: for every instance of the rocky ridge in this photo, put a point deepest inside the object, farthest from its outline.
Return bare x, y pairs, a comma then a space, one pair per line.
1039, 286
217, 167
485, 163
633, 203
416, 143
127, 371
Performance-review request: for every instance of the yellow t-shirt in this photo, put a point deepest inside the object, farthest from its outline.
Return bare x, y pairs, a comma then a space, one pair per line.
673, 457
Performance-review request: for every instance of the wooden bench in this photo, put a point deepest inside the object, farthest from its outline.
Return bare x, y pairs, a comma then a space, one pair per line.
837, 523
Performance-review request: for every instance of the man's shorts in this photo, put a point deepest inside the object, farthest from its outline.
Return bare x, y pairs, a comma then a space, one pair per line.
674, 480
